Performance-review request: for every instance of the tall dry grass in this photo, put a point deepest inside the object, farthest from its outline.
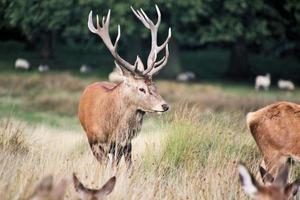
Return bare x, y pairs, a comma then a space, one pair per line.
186, 154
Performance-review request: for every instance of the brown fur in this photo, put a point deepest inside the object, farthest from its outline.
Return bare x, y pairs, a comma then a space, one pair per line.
276, 130
272, 193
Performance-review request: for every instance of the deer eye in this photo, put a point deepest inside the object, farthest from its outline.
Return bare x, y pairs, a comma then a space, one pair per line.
142, 90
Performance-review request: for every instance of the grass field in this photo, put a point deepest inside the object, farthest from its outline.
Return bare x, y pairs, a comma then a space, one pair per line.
189, 153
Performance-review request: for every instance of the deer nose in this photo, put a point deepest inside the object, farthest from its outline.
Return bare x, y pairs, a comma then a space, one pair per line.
165, 107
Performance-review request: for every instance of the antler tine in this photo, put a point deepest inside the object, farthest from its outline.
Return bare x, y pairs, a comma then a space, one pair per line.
155, 49
160, 61
151, 67
158, 16
149, 21
140, 17
163, 62
97, 22
118, 37
90, 23
103, 32
108, 18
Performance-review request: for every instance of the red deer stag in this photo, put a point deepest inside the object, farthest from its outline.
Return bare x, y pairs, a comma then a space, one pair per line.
112, 114
276, 131
277, 189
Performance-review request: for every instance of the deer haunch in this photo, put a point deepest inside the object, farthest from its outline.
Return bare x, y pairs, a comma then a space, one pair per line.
276, 130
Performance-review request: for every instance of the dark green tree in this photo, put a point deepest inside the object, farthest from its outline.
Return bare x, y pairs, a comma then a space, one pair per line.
232, 22
40, 21
237, 24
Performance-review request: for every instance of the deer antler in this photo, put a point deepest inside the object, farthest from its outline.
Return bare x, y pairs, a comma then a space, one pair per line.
153, 66
103, 32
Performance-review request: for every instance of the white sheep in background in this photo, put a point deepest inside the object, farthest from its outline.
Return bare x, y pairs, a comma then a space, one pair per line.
286, 85
263, 81
22, 63
115, 76
43, 68
85, 69
186, 76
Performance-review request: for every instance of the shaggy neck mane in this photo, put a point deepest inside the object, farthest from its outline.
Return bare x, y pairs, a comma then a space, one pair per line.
125, 118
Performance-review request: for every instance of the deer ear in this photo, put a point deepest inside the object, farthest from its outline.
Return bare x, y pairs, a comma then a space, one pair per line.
266, 176
108, 187
282, 176
247, 181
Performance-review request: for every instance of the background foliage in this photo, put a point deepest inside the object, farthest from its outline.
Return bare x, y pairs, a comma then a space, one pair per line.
234, 39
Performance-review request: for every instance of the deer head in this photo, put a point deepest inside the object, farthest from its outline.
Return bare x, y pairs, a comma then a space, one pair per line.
138, 84
274, 189
46, 190
94, 194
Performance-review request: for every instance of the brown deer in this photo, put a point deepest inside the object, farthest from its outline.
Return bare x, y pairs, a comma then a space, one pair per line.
276, 131
276, 189
112, 114
94, 194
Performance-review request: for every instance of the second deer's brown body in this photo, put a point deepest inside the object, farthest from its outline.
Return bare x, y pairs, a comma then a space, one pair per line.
276, 130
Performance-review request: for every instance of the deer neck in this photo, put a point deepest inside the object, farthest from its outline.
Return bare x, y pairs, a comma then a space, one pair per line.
129, 118
122, 102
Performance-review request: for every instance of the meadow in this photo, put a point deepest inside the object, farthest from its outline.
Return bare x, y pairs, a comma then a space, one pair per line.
190, 152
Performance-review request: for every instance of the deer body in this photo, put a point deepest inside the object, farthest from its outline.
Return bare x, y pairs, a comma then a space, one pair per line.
112, 114
107, 116
276, 130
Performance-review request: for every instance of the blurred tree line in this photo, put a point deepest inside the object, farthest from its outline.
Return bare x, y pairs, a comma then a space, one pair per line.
261, 26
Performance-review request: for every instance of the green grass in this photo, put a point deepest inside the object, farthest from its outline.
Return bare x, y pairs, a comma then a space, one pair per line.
52, 98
